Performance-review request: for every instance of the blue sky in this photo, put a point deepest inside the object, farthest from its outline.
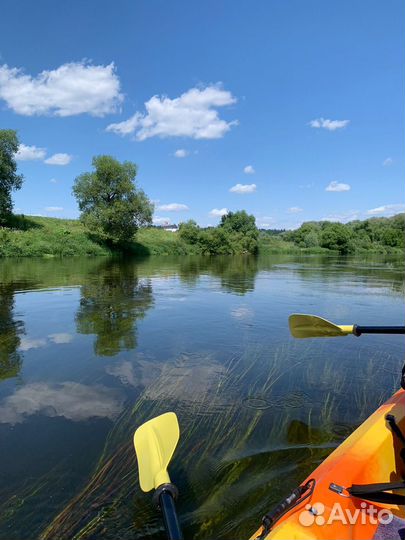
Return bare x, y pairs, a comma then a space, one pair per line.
297, 105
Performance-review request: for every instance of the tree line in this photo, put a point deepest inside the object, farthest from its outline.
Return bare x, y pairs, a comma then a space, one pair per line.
237, 233
374, 234
113, 208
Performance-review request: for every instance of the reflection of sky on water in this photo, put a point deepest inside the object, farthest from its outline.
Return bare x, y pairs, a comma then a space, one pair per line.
27, 343
62, 337
73, 401
242, 312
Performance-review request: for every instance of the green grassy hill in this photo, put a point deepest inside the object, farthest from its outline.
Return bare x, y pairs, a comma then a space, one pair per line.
47, 237
52, 237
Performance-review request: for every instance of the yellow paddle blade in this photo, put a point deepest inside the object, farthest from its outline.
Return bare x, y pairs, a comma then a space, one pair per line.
308, 326
155, 442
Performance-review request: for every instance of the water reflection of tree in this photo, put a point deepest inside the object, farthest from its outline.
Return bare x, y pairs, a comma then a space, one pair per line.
10, 330
373, 271
237, 274
113, 299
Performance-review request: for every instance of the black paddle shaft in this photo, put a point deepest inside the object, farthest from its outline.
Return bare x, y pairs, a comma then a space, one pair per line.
358, 330
164, 496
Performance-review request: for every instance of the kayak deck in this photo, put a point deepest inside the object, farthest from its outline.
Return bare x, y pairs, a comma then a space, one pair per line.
371, 454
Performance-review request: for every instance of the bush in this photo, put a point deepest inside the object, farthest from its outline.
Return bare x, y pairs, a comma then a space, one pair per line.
336, 236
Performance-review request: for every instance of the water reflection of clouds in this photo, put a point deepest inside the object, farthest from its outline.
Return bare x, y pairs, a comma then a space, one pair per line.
73, 401
60, 338
191, 376
242, 313
142, 372
28, 343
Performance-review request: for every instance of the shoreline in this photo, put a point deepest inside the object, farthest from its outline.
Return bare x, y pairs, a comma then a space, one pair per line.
46, 237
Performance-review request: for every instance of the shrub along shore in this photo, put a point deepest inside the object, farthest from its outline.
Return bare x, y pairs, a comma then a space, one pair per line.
52, 237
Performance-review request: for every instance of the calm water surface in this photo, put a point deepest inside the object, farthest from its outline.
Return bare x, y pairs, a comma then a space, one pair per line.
90, 349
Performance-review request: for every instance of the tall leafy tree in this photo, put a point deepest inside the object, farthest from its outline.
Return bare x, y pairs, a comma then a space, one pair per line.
239, 221
337, 237
9, 179
111, 205
242, 231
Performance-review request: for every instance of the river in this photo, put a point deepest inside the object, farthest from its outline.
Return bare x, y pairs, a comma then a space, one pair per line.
92, 348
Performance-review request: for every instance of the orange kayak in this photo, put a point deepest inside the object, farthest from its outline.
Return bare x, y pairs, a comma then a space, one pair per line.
330, 509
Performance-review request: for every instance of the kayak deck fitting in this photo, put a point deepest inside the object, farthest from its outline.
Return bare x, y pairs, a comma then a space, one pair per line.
372, 454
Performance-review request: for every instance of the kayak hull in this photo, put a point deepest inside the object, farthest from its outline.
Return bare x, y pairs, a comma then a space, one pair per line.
371, 454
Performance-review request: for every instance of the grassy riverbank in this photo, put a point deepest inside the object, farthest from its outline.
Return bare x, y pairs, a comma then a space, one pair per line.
52, 237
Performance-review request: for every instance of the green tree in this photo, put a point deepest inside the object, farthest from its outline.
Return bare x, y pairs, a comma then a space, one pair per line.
337, 237
311, 239
239, 221
304, 236
390, 237
9, 179
189, 231
111, 206
242, 231
215, 241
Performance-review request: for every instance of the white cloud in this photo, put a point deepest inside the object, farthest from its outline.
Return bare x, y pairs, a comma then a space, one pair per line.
194, 114
72, 88
294, 210
387, 162
73, 401
307, 186
126, 127
343, 217
330, 125
60, 338
386, 210
53, 181
29, 153
181, 153
157, 220
243, 188
59, 159
173, 207
249, 169
265, 222
53, 209
337, 186
219, 212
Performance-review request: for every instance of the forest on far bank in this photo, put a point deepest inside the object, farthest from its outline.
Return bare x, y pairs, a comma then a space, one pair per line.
376, 234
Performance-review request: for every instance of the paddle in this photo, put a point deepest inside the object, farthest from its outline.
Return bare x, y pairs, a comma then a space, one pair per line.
308, 326
155, 442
